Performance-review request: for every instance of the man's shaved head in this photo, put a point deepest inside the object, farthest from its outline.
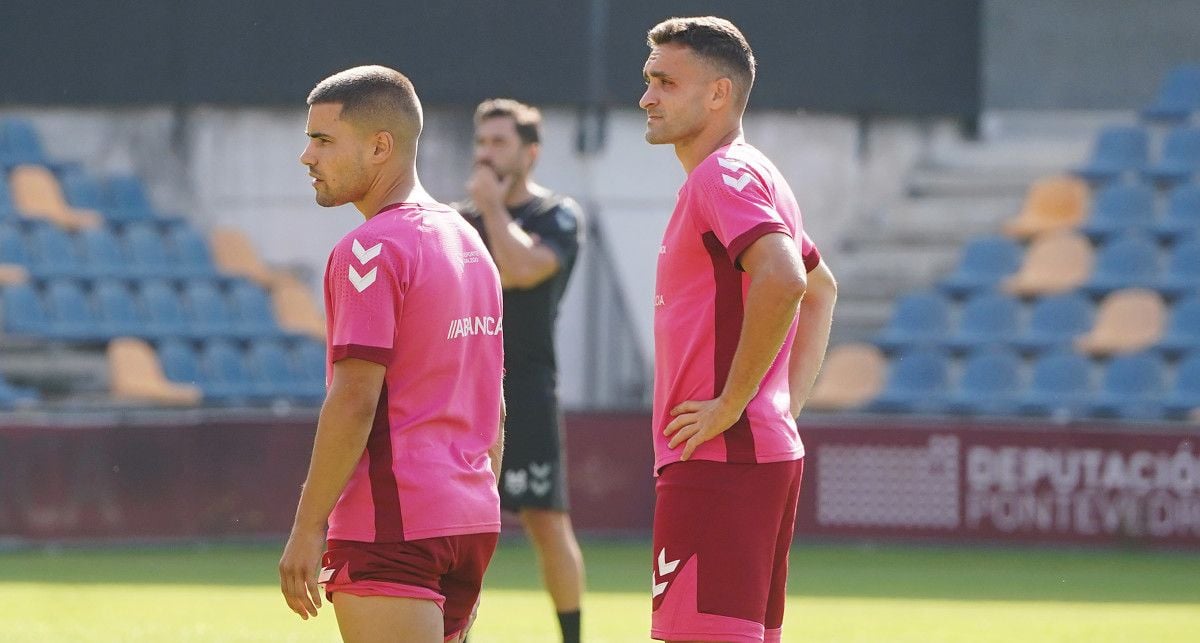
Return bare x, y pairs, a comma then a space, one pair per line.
374, 98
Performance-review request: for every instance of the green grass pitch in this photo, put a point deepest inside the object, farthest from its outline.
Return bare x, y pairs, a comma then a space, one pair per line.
837, 593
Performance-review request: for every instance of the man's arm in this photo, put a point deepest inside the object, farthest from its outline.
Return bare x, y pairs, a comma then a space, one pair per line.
342, 431
496, 453
812, 335
777, 283
522, 261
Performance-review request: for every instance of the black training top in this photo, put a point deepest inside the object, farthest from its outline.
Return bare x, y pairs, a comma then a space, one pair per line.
530, 313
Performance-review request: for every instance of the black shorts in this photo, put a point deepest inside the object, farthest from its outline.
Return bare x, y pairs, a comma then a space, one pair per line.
533, 472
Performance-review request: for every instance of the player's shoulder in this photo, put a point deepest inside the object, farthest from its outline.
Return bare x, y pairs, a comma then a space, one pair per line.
733, 158
561, 211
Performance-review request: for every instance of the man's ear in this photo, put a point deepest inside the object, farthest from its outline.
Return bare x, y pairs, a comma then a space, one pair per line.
534, 150
722, 92
383, 144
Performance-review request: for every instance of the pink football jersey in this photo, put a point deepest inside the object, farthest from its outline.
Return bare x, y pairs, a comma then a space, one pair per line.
734, 197
414, 289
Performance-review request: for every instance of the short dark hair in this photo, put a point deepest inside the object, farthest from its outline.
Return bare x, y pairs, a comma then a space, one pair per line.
716, 40
527, 118
373, 96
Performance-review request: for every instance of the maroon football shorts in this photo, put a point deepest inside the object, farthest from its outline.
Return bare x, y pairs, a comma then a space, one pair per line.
721, 538
447, 570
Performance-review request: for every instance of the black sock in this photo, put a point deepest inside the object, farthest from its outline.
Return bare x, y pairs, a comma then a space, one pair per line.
569, 623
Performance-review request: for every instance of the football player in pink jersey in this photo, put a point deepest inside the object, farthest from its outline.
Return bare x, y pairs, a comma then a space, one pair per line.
408, 443
743, 308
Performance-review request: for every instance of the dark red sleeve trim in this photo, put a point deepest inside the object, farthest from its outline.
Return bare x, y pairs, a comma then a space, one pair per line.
382, 356
745, 239
811, 259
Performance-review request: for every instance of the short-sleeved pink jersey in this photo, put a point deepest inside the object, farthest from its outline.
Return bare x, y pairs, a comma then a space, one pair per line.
734, 197
414, 289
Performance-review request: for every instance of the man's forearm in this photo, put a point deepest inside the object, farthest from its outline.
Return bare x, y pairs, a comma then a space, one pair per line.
812, 336
769, 309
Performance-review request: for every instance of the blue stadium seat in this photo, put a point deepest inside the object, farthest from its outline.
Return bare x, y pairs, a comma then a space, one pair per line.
208, 312
165, 315
1132, 388
1180, 159
126, 200
985, 261
54, 253
24, 313
20, 144
179, 361
1060, 386
1182, 217
987, 319
278, 376
15, 397
921, 318
12, 246
191, 252
1120, 209
116, 310
917, 382
225, 378
70, 313
1182, 275
309, 360
102, 255
1178, 96
7, 210
1130, 261
253, 315
1183, 330
1184, 396
989, 384
1055, 321
147, 252
81, 189
1119, 149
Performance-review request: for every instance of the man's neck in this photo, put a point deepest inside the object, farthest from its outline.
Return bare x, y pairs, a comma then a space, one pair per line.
692, 152
523, 191
402, 188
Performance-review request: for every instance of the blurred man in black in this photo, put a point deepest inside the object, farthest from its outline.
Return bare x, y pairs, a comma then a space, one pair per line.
533, 236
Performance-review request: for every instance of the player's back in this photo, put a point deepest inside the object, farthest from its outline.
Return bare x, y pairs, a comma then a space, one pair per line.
413, 288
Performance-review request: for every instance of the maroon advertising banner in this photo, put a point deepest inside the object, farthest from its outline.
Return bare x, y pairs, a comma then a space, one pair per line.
1011, 483
870, 479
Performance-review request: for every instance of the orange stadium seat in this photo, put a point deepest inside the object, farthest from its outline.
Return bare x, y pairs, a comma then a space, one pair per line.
1054, 263
11, 274
295, 308
234, 254
36, 193
853, 375
135, 375
1054, 203
1127, 321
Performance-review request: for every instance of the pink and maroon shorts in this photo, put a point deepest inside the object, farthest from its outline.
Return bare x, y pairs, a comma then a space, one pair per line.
447, 570
722, 533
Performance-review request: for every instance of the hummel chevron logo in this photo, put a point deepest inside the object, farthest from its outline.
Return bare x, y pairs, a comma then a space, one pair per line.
738, 183
664, 568
734, 166
366, 254
362, 282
